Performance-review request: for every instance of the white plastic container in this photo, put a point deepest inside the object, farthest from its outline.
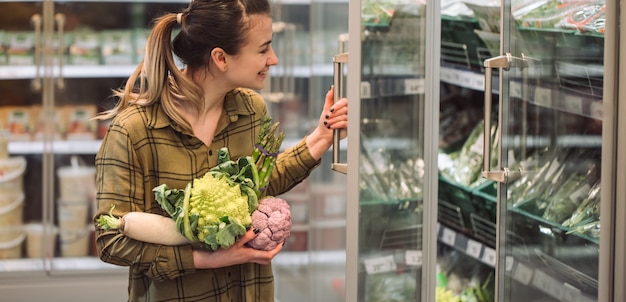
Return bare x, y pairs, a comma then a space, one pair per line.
72, 215
75, 243
37, 239
11, 178
77, 183
11, 218
12, 249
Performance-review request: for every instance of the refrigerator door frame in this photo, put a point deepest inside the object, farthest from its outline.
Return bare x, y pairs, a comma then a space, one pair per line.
432, 34
612, 259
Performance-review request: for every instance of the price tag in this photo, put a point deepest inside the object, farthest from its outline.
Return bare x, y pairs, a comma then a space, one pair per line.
489, 256
473, 248
523, 273
448, 237
515, 90
456, 78
413, 257
573, 104
570, 293
366, 90
543, 96
479, 83
548, 284
509, 263
413, 86
444, 74
380, 265
467, 81
596, 109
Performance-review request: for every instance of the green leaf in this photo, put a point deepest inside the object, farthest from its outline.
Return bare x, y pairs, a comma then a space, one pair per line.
228, 234
170, 200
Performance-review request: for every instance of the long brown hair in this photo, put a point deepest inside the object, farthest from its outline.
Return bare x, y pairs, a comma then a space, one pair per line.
205, 25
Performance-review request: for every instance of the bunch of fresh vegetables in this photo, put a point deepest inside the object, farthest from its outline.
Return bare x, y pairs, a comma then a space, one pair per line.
215, 209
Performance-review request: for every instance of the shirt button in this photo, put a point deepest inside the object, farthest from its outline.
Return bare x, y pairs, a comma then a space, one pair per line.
210, 152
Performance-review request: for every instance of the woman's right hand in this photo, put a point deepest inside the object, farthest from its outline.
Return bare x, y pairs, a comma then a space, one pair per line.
238, 253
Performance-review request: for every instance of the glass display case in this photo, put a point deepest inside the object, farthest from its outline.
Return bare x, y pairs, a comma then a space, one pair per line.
392, 85
520, 191
523, 126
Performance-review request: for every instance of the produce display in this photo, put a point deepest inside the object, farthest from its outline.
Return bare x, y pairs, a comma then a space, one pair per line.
464, 166
213, 211
564, 190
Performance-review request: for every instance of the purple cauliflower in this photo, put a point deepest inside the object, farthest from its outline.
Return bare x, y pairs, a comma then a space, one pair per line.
273, 220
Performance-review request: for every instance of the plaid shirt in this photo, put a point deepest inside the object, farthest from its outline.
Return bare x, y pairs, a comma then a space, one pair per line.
143, 149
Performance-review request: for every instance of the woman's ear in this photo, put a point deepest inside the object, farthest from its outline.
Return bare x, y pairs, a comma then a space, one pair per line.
218, 56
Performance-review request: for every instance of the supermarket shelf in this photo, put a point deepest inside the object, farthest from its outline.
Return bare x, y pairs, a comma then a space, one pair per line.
187, 1
88, 146
108, 71
58, 147
517, 269
392, 87
73, 264
565, 99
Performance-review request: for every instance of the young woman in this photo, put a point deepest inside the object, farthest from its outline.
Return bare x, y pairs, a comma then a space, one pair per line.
167, 128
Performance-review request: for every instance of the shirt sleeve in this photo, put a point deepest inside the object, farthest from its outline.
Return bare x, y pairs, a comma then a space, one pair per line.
292, 167
120, 180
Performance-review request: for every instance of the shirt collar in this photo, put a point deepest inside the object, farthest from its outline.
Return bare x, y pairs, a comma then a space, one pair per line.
235, 104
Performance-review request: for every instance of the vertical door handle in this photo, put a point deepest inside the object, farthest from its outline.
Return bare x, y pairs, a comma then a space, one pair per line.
504, 62
60, 20
339, 62
36, 82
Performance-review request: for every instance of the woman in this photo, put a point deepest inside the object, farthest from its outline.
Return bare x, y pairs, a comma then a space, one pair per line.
167, 128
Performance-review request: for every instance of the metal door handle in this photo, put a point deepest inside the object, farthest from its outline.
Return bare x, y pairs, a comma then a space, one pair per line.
36, 82
60, 19
338, 81
504, 62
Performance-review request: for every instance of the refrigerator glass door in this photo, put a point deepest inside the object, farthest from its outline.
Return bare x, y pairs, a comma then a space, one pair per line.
545, 130
387, 150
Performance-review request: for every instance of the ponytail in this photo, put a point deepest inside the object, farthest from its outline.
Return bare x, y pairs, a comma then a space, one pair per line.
157, 78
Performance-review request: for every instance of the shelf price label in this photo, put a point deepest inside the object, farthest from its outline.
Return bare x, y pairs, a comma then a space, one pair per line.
596, 109
510, 261
413, 86
489, 256
548, 284
515, 90
473, 248
366, 90
573, 104
413, 257
523, 273
543, 96
448, 236
380, 265
479, 83
570, 293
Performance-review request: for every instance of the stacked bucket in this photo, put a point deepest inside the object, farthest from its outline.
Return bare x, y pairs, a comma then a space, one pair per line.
77, 193
11, 202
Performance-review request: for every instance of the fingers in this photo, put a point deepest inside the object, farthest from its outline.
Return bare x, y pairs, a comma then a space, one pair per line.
249, 235
337, 115
265, 257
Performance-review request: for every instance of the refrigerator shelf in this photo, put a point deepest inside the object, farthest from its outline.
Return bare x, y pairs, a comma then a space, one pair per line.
521, 269
580, 95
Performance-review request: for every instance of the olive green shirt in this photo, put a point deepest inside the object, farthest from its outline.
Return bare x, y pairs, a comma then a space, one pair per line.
142, 149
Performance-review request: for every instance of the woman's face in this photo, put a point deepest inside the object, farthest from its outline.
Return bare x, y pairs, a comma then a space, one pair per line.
250, 66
